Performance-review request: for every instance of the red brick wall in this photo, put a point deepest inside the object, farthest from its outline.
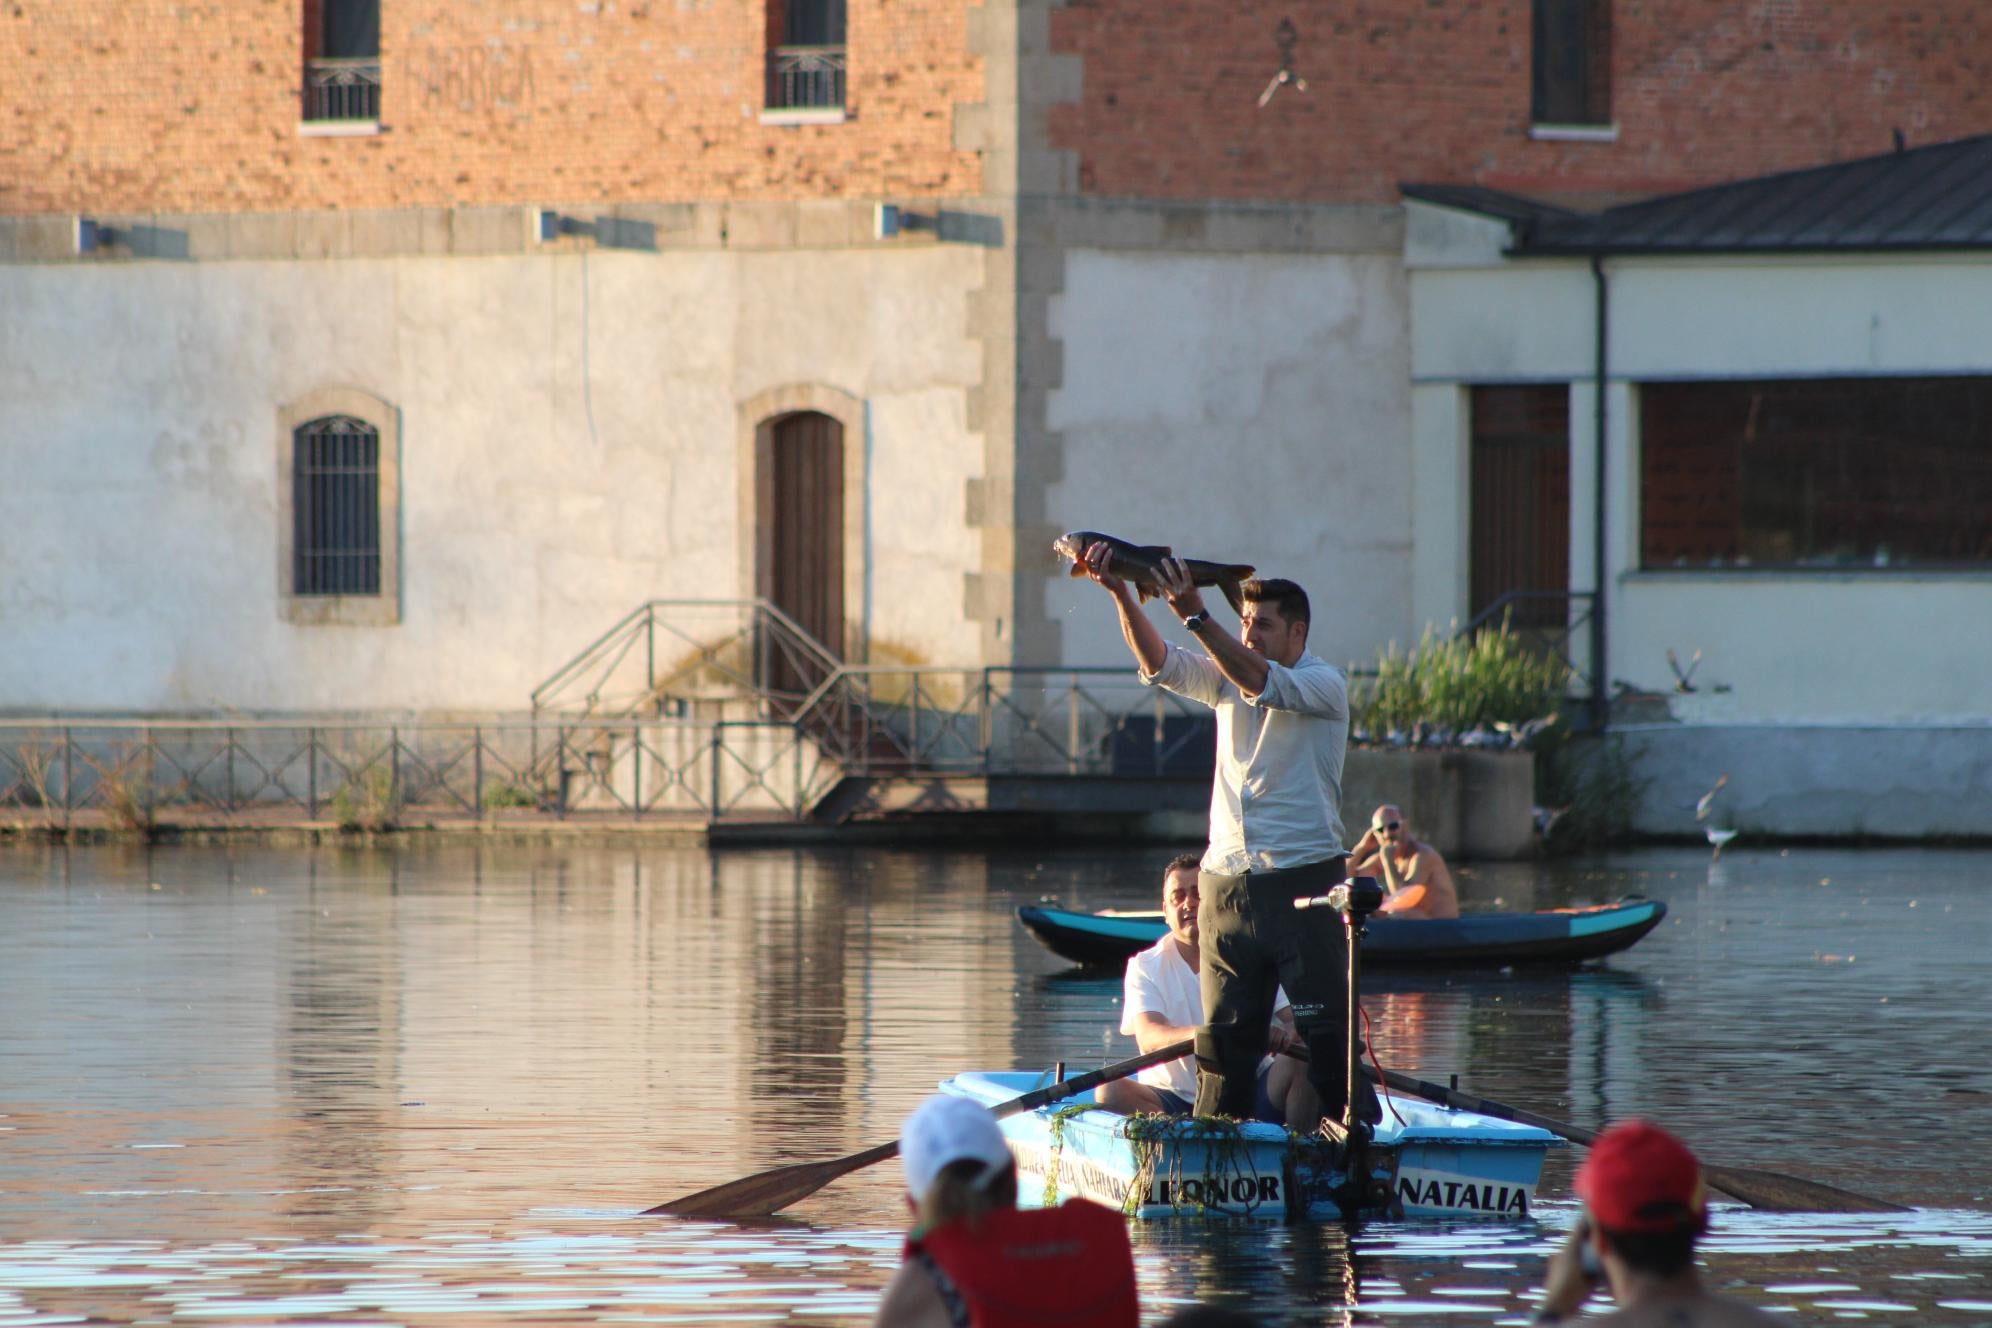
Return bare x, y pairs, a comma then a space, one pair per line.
163, 105
1438, 90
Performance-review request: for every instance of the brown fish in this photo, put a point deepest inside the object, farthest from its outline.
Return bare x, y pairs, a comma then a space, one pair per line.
1140, 565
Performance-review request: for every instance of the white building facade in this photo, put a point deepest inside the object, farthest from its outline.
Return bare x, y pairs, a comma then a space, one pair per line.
1796, 490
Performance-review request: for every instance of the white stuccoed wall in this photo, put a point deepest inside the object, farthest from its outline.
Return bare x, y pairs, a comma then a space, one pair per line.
556, 472
1239, 408
1819, 647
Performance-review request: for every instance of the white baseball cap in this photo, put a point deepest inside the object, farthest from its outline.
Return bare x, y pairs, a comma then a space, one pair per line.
946, 1129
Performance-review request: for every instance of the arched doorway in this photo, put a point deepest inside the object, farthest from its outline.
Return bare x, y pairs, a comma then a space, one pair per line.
803, 525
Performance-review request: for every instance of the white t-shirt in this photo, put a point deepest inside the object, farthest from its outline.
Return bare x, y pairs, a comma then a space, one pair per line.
1161, 982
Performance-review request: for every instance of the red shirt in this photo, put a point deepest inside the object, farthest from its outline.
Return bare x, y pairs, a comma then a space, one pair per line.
1068, 1265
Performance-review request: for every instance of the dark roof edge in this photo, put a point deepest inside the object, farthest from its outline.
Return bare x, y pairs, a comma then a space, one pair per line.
1496, 203
1799, 172
1555, 250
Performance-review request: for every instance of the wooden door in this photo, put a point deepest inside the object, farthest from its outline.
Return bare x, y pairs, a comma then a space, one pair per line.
805, 530
1520, 536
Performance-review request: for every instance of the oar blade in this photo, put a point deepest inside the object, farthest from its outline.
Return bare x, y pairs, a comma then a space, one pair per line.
768, 1192
1779, 1193
1769, 1190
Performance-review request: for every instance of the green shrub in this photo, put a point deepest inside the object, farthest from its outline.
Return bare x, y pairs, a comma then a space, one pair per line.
499, 793
1460, 684
368, 800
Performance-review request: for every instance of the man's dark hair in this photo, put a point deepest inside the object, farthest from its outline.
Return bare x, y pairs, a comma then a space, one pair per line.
1183, 862
1281, 593
1661, 1253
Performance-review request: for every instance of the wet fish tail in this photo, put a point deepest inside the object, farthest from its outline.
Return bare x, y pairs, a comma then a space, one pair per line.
1231, 579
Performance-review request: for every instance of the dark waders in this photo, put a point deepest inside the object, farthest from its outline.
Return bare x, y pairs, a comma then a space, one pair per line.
1251, 939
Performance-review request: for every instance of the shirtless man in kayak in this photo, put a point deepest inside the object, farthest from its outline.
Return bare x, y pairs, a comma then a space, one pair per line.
1162, 1002
1415, 879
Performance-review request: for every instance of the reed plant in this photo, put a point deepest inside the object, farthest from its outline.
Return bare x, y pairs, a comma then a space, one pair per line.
36, 764
1593, 785
124, 787
1458, 684
368, 801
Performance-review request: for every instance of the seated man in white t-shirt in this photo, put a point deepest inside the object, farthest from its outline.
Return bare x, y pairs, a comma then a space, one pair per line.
1163, 1003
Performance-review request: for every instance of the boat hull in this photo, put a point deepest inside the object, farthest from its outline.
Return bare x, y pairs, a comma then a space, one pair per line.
1428, 1161
1561, 936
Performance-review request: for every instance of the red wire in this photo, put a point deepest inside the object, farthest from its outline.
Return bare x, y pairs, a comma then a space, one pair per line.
1369, 1041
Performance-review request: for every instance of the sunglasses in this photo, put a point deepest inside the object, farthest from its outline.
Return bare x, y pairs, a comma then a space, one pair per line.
1388, 825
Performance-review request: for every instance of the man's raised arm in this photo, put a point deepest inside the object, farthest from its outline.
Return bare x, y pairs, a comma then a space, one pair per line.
1150, 651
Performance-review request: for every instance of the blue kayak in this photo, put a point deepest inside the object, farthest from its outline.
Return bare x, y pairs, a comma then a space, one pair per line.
1554, 936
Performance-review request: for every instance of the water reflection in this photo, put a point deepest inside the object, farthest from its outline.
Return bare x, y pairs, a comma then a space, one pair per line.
266, 1085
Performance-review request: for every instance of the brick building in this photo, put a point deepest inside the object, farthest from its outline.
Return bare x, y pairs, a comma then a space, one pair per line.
850, 303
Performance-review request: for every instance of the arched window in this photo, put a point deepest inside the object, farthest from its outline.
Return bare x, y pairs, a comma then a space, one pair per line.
338, 540
335, 507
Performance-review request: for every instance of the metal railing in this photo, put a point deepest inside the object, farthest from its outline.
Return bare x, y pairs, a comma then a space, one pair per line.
1558, 641
136, 774
667, 655
735, 660
345, 89
806, 78
1007, 721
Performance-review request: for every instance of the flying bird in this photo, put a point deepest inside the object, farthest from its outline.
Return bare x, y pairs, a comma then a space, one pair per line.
1683, 682
1708, 799
1718, 838
1284, 37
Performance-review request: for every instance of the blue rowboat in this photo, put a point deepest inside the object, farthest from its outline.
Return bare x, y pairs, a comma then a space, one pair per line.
1555, 936
1427, 1161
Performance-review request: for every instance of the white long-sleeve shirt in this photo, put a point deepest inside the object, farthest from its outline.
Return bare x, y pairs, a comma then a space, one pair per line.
1276, 799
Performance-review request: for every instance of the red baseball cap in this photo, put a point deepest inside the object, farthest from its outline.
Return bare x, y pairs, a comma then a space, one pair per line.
1640, 1178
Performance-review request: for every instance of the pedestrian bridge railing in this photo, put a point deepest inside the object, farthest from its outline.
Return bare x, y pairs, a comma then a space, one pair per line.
140, 773
889, 720
859, 723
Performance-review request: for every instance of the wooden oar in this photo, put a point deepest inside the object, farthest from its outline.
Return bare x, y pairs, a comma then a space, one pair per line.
1769, 1190
767, 1192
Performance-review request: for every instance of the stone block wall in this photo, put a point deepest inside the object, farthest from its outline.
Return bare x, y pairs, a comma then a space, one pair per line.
1475, 806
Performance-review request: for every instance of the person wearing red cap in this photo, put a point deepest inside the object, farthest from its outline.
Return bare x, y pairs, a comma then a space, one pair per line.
1645, 1207
976, 1260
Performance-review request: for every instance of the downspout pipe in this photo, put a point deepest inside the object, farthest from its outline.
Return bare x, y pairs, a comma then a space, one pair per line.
1600, 702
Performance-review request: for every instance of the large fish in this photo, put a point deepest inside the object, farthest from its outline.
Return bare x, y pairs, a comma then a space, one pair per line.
1140, 565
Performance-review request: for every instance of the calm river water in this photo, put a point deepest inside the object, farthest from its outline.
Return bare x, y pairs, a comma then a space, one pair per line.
435, 1085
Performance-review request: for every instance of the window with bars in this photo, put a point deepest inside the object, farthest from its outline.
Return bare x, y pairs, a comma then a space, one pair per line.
805, 55
1520, 516
1572, 68
342, 79
335, 507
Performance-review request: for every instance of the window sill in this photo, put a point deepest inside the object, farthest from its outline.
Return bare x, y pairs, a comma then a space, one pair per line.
337, 128
802, 115
342, 610
1928, 572
1571, 133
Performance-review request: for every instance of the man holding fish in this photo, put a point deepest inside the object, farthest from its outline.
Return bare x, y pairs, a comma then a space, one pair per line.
1275, 809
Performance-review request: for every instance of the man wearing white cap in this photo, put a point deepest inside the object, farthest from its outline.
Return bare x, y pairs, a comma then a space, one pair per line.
975, 1258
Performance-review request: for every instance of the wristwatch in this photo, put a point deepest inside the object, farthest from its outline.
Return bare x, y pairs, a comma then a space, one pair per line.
1195, 622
